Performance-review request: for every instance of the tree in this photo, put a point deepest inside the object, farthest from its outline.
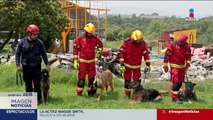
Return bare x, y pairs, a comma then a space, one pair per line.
10, 12
46, 14
133, 15
120, 28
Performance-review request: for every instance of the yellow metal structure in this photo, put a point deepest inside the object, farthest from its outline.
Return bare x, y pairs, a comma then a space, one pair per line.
191, 33
168, 36
79, 14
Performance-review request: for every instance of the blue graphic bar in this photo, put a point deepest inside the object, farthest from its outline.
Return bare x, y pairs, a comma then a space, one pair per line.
18, 114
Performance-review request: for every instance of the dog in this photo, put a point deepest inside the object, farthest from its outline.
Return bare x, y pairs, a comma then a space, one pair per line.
141, 94
45, 86
103, 80
188, 92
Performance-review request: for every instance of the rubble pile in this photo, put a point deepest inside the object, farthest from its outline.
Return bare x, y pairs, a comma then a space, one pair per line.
64, 61
5, 59
200, 69
156, 73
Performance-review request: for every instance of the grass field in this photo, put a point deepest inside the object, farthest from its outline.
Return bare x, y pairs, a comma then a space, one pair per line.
63, 95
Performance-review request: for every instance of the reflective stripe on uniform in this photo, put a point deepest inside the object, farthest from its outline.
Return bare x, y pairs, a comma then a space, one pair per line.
175, 92
165, 64
147, 61
188, 53
78, 88
144, 52
87, 61
88, 88
188, 61
121, 59
75, 56
100, 49
132, 66
127, 90
177, 66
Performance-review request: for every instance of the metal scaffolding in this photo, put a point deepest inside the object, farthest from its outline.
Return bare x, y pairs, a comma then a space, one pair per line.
80, 13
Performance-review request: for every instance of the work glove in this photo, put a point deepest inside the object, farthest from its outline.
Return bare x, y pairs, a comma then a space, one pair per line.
98, 54
122, 68
19, 69
165, 68
147, 68
76, 64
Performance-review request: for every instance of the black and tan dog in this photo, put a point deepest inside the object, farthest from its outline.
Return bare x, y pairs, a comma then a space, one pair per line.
45, 86
142, 95
103, 80
188, 93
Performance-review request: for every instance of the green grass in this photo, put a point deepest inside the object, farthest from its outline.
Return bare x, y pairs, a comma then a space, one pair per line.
113, 44
5, 50
63, 94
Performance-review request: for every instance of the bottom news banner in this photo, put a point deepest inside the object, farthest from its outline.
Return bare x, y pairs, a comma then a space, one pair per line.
18, 106
23, 106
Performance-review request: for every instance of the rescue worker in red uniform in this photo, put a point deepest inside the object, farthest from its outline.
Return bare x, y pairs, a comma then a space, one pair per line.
178, 56
131, 52
84, 58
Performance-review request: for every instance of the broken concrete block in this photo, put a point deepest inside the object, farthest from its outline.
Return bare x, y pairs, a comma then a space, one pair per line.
165, 76
200, 78
151, 75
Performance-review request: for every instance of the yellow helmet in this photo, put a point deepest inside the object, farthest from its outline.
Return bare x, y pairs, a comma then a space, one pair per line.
137, 35
90, 28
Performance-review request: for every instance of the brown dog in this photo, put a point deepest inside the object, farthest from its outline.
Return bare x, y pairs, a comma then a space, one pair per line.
45, 86
103, 80
142, 95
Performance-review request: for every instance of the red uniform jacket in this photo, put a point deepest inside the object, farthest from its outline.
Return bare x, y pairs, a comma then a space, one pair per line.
131, 53
86, 46
178, 56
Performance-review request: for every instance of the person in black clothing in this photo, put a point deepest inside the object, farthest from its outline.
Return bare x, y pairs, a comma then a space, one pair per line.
29, 52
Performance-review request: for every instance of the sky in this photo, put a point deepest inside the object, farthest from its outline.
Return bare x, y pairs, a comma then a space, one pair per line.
164, 8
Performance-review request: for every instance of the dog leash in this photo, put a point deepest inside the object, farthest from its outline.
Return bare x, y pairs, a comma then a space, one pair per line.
146, 73
18, 77
186, 76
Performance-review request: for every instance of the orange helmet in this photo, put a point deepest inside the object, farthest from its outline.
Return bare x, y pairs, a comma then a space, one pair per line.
182, 38
33, 29
90, 28
137, 35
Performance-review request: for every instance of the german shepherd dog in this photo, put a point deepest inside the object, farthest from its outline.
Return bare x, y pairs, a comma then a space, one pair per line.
103, 80
188, 92
141, 94
45, 86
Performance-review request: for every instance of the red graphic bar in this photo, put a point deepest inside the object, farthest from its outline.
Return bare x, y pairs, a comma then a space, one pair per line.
184, 114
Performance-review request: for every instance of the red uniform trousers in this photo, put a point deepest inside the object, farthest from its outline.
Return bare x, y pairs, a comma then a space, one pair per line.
130, 73
85, 68
177, 77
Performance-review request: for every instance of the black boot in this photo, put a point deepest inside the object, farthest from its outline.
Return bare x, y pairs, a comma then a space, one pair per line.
94, 92
93, 87
89, 91
80, 87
